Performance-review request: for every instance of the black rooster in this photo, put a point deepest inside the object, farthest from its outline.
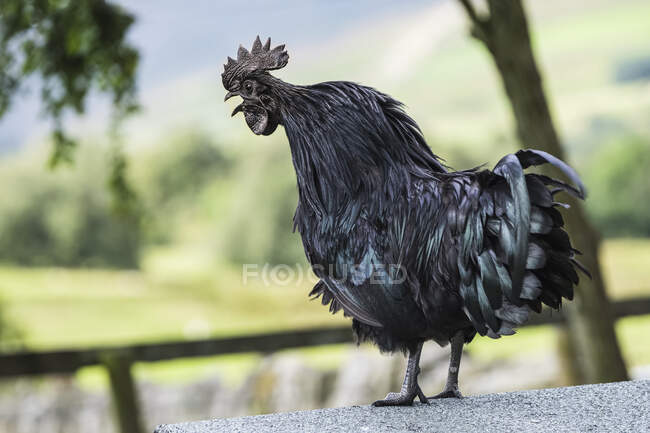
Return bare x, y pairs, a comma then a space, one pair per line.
409, 249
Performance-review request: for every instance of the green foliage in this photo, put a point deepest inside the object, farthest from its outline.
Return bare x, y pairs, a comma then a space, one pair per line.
125, 200
10, 336
262, 212
175, 180
74, 46
619, 186
63, 219
70, 218
183, 166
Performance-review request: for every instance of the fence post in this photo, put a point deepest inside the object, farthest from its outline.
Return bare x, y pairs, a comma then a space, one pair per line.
123, 392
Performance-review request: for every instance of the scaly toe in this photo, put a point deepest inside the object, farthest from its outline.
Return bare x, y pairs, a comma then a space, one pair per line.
449, 393
396, 399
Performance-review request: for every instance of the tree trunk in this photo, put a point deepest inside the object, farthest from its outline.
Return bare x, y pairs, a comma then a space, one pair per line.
505, 34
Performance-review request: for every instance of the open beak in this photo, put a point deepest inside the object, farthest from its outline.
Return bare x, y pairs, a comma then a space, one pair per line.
229, 95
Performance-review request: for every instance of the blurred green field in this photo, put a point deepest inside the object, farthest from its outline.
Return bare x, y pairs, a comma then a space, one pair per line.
180, 296
80, 308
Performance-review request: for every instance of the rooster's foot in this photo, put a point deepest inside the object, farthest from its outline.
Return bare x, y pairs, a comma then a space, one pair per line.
452, 392
402, 398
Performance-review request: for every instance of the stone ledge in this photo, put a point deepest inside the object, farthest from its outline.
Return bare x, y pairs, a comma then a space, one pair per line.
622, 406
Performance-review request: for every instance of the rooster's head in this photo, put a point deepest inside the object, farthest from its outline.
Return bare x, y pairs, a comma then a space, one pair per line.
248, 77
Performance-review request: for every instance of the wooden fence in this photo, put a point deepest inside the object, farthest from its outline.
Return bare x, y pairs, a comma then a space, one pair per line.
118, 360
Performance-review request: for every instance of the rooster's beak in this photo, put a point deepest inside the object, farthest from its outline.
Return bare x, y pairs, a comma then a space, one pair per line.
229, 95
237, 109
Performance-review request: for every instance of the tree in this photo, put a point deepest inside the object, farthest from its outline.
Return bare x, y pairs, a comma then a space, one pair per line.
503, 30
75, 47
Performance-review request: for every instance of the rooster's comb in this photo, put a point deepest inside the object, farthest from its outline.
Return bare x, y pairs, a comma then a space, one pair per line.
259, 58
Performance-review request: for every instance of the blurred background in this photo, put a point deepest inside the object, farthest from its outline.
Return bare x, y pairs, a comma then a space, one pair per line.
122, 226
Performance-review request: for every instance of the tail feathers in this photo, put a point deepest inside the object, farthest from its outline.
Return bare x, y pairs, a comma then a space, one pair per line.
515, 242
562, 186
551, 267
532, 287
580, 266
527, 239
511, 317
532, 157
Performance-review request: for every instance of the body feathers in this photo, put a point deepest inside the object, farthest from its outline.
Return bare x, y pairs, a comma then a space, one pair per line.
409, 249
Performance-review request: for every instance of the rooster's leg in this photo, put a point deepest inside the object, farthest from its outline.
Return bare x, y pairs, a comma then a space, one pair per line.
451, 388
410, 388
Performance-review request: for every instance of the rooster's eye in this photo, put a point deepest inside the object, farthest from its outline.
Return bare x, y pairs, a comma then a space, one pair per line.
248, 86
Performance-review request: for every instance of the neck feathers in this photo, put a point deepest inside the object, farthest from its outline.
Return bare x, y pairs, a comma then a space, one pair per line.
349, 140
